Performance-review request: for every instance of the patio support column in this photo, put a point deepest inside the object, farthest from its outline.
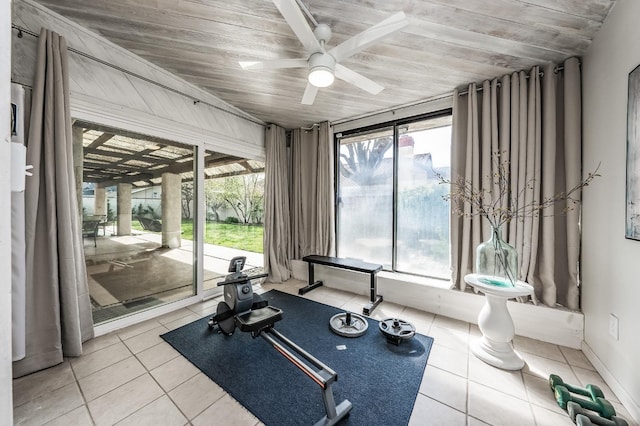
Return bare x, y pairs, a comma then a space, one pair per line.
78, 159
124, 209
100, 200
171, 210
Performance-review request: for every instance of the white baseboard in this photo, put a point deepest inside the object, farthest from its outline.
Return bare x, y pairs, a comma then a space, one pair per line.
623, 396
557, 326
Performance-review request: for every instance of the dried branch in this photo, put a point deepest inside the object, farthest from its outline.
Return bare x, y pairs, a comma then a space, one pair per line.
500, 203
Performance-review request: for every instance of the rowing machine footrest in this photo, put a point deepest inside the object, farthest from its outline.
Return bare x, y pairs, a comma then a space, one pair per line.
259, 319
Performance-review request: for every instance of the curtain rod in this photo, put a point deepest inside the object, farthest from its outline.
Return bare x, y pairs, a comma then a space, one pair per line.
22, 31
556, 70
392, 109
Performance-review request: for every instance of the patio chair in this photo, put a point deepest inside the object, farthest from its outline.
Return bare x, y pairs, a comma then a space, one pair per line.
90, 229
153, 225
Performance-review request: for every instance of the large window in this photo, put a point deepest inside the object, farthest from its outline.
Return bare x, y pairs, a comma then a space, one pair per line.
390, 204
365, 197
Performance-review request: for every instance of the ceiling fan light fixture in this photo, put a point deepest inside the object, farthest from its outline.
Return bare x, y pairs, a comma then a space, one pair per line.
321, 77
321, 66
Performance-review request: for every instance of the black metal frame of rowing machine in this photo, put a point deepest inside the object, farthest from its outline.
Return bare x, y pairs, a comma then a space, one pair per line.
323, 376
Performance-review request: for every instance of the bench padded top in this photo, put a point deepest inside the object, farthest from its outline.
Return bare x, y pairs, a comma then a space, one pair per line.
351, 264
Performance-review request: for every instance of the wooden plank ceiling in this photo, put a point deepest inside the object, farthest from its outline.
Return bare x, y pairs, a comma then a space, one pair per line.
447, 44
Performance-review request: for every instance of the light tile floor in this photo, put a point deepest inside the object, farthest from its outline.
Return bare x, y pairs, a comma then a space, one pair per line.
132, 377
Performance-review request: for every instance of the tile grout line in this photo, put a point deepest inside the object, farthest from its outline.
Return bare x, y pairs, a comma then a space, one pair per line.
467, 381
529, 402
528, 394
165, 392
132, 355
84, 400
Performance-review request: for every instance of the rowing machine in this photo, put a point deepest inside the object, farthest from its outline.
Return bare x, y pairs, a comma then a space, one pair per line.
248, 312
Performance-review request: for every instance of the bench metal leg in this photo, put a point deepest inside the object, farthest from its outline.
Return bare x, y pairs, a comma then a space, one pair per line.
375, 298
312, 284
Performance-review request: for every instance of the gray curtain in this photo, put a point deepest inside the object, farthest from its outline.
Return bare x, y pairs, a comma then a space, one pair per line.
58, 316
312, 192
535, 123
277, 228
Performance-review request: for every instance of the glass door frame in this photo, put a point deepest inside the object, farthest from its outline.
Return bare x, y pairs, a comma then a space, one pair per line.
162, 131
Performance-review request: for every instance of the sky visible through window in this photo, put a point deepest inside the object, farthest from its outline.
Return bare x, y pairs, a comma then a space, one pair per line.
436, 141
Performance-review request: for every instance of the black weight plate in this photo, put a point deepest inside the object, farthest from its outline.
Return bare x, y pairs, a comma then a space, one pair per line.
395, 328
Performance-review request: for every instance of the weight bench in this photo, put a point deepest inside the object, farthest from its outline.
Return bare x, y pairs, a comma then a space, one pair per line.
351, 264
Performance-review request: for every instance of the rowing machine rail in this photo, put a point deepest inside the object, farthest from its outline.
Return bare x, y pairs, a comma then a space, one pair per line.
240, 310
324, 376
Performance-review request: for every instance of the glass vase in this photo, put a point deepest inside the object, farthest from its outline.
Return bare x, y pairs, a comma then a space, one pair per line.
497, 259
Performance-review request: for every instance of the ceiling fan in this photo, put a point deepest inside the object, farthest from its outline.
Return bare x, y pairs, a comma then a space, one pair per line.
324, 64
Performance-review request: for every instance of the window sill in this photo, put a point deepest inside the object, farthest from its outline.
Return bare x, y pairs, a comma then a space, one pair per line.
540, 322
415, 279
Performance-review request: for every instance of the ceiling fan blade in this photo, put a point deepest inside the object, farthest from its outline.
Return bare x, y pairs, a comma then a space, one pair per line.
274, 64
293, 15
358, 80
361, 41
309, 94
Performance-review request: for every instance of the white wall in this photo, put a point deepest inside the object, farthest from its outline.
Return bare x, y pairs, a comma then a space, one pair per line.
6, 404
611, 278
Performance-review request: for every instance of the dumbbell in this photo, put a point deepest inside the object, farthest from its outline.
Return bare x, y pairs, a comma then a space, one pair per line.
597, 404
591, 391
582, 420
583, 417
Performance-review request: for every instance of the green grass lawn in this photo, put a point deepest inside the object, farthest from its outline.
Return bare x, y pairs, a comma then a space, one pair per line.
232, 235
242, 237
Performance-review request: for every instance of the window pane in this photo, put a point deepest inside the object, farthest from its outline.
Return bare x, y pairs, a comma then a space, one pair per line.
234, 196
365, 197
423, 215
137, 199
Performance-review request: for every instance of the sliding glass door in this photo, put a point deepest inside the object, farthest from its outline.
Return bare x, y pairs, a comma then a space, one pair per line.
234, 212
135, 206
140, 202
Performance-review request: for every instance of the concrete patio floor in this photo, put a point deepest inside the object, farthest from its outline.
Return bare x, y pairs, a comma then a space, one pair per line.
122, 253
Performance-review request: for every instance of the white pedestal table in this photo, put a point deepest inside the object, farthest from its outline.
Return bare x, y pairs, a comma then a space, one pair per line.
495, 322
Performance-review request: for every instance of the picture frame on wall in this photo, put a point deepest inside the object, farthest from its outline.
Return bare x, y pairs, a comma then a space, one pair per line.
632, 222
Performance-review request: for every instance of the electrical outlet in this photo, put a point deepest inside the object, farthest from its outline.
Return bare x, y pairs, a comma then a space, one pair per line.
613, 326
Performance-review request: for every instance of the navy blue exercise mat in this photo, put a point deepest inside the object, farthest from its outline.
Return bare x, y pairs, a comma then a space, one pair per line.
380, 379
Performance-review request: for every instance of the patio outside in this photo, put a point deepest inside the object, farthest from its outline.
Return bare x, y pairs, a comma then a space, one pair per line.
138, 202
131, 273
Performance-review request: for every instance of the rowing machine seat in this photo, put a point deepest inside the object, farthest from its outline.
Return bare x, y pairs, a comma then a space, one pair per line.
259, 319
